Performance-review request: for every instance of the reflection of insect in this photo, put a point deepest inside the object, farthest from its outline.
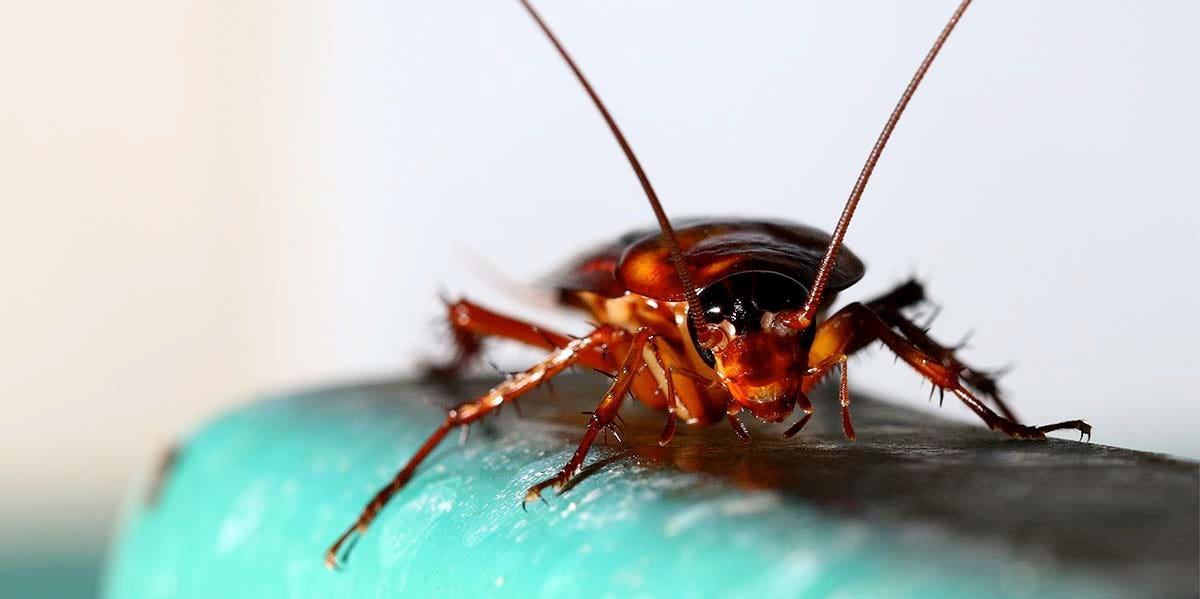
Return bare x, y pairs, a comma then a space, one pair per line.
713, 318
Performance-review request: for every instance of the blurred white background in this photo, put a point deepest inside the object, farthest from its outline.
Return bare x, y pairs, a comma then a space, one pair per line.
203, 200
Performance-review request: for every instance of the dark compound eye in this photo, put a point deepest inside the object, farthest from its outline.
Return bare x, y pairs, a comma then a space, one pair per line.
718, 302
772, 292
742, 298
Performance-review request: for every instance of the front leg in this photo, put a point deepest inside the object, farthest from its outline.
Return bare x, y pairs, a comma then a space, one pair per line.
817, 373
857, 323
601, 418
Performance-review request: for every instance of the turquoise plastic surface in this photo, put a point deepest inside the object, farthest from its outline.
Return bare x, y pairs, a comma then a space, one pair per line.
257, 497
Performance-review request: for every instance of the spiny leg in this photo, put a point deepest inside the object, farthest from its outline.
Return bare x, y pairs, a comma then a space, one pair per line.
465, 414
669, 430
890, 307
817, 373
471, 323
601, 418
981, 382
857, 322
905, 295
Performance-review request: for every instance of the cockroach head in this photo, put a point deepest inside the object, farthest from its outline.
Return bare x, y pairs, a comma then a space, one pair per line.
760, 361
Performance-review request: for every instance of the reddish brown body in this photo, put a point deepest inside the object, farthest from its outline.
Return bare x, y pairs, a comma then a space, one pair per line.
631, 284
713, 249
712, 319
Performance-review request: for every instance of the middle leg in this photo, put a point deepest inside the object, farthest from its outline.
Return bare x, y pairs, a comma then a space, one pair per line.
602, 417
470, 412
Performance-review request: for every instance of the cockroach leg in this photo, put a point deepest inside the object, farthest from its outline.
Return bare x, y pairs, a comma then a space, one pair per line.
844, 400
979, 381
890, 306
468, 413
615, 429
1083, 427
905, 295
859, 323
937, 311
612, 376
467, 347
1016, 430
739, 429
795, 428
692, 374
601, 418
471, 323
819, 371
669, 428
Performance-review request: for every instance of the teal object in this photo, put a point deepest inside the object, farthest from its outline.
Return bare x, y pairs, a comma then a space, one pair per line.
47, 572
257, 496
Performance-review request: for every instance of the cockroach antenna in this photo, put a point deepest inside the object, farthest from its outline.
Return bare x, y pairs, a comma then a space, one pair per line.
803, 318
706, 332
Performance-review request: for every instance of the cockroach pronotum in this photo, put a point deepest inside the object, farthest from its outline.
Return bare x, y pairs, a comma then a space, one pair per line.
707, 318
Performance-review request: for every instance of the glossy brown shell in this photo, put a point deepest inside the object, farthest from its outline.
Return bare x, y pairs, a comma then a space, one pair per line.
639, 261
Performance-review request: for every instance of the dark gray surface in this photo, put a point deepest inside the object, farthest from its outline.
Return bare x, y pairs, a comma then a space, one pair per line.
1122, 517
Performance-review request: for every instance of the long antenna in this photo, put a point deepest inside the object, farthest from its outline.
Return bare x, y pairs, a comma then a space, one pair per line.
804, 317
685, 277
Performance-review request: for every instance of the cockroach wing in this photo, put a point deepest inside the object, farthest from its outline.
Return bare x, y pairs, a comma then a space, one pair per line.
639, 262
595, 270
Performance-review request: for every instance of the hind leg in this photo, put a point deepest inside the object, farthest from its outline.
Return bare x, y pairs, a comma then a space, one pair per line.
857, 325
890, 307
471, 323
979, 381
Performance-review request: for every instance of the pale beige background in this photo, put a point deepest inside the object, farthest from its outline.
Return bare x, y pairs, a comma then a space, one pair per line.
205, 199
163, 185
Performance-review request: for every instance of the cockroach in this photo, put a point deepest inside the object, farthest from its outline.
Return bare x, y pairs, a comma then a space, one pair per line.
706, 318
